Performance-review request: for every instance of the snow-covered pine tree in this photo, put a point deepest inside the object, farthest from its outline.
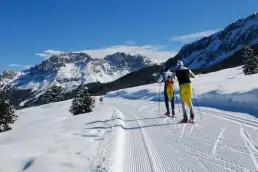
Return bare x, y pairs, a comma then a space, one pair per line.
250, 62
7, 115
82, 102
53, 94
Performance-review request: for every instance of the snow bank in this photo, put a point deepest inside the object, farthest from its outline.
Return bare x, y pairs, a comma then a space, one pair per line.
228, 88
49, 138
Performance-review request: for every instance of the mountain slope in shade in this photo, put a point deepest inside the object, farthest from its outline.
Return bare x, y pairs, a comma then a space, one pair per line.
219, 46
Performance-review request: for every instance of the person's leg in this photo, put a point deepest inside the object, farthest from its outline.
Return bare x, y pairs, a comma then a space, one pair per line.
184, 110
183, 98
166, 100
173, 103
189, 100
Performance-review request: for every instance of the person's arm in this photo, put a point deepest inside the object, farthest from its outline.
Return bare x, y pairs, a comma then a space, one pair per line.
174, 78
191, 74
161, 78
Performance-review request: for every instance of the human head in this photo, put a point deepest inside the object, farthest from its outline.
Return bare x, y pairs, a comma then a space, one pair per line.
179, 64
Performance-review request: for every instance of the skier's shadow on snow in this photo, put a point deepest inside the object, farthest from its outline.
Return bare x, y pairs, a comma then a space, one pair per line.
129, 128
108, 120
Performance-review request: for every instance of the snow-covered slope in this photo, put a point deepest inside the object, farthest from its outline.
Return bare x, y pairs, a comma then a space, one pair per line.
125, 135
219, 46
49, 138
225, 88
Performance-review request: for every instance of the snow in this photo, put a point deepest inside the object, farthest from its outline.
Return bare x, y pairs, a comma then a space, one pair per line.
129, 133
49, 138
230, 87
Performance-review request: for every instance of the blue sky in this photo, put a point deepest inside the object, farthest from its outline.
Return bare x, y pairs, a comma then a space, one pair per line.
153, 27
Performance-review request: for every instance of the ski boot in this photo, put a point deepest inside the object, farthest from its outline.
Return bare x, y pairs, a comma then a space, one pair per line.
184, 120
173, 114
192, 116
167, 114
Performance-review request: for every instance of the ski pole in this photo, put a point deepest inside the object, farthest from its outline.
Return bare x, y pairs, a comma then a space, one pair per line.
159, 98
197, 104
177, 99
177, 102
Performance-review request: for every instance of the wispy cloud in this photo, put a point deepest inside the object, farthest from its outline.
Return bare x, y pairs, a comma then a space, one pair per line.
48, 53
192, 37
20, 65
130, 42
155, 52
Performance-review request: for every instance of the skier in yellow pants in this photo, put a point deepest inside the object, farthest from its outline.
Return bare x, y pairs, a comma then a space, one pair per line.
183, 75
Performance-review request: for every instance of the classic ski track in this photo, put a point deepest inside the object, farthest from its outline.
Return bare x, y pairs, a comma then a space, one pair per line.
143, 107
146, 146
201, 159
163, 153
207, 154
134, 158
251, 142
133, 142
218, 140
220, 159
186, 161
183, 130
211, 142
226, 116
247, 122
249, 146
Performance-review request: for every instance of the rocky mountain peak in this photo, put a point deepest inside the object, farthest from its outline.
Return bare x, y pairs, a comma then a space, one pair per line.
219, 46
60, 60
122, 59
9, 74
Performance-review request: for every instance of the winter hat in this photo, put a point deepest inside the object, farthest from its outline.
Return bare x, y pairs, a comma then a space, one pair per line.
179, 64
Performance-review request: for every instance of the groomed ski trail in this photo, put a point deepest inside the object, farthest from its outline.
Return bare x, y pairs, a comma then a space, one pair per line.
152, 143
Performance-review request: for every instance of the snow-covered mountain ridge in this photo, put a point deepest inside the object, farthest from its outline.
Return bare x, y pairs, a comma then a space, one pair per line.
69, 70
211, 50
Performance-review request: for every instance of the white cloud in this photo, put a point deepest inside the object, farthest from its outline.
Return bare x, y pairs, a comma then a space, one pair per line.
192, 37
155, 52
130, 42
49, 53
20, 65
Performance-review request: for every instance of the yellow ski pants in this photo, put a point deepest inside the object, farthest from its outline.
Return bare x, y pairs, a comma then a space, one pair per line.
186, 94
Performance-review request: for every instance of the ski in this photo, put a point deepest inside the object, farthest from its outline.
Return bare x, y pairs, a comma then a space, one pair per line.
191, 121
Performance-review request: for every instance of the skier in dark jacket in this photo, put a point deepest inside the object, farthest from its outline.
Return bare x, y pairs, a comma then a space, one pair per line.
183, 75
